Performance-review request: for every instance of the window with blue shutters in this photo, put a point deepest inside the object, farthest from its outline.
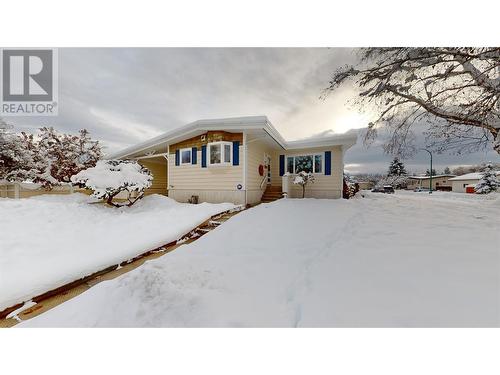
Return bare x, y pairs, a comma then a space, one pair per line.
219, 153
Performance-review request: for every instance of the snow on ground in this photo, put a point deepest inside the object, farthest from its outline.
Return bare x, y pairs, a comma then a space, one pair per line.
48, 241
402, 260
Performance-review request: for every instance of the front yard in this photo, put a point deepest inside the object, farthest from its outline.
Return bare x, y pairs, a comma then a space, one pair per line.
402, 260
51, 240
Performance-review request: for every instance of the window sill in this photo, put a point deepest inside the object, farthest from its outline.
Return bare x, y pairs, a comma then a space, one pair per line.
221, 165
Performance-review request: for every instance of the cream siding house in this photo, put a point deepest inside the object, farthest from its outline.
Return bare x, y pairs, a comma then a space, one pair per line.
439, 182
239, 160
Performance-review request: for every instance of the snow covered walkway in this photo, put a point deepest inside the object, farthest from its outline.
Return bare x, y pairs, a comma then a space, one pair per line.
49, 241
402, 260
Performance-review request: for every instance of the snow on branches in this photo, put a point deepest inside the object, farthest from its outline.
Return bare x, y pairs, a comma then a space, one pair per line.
302, 179
49, 158
455, 90
489, 182
111, 177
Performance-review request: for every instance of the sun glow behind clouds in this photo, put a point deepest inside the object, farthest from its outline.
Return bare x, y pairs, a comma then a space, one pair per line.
350, 120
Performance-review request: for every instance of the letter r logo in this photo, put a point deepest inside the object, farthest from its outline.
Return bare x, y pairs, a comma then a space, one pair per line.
27, 75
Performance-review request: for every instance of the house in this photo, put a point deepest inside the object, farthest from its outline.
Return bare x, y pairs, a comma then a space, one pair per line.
439, 182
460, 183
242, 160
366, 185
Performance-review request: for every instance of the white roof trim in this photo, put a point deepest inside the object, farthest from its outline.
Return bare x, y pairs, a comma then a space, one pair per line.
237, 123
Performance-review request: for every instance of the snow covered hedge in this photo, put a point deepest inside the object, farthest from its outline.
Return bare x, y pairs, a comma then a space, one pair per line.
110, 177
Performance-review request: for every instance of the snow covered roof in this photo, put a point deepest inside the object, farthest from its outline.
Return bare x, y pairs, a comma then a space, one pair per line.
434, 176
471, 176
237, 124
468, 176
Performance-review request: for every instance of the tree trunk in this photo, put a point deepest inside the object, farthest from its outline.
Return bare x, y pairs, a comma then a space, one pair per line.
303, 191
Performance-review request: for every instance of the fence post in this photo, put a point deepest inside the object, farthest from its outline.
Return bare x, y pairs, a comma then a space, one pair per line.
16, 190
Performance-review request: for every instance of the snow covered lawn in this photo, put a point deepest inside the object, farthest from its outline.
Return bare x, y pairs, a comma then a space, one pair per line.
400, 260
51, 240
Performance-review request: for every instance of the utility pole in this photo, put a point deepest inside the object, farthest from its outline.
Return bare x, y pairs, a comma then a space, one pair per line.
430, 171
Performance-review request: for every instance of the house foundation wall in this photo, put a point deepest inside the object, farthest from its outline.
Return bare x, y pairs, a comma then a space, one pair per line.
210, 196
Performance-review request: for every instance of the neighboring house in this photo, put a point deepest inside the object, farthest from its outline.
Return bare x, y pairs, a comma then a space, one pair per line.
460, 183
239, 160
439, 182
366, 185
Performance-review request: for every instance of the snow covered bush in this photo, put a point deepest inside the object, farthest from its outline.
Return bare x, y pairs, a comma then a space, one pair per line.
302, 179
489, 182
110, 177
350, 188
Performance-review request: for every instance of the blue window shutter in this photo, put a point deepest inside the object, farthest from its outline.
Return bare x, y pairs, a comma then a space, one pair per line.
204, 156
328, 162
282, 165
177, 158
194, 155
236, 153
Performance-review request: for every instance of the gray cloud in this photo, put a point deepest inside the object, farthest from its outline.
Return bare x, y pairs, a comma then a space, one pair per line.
127, 95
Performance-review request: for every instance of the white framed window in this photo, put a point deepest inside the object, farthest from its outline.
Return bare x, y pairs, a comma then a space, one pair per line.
185, 156
310, 163
220, 153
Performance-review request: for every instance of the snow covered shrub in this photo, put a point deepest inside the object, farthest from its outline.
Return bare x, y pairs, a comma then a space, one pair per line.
110, 177
349, 188
489, 182
302, 179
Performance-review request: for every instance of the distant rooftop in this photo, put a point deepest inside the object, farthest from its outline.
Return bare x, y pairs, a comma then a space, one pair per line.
471, 176
434, 176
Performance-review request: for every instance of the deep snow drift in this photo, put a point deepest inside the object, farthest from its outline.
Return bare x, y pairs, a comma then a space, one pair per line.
401, 260
48, 241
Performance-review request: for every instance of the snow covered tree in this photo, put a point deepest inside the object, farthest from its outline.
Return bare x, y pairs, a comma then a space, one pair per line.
20, 159
397, 168
396, 176
68, 154
111, 177
302, 179
447, 170
428, 173
397, 182
455, 90
49, 159
489, 182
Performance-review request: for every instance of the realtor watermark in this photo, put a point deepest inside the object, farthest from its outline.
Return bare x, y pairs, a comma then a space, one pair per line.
29, 82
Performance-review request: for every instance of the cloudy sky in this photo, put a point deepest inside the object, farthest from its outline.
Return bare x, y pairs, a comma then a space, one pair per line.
124, 96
